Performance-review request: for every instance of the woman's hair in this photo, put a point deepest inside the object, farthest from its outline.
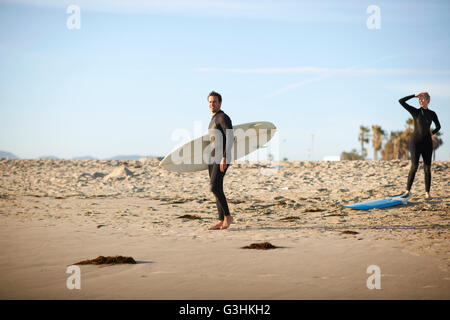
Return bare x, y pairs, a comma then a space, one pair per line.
427, 96
215, 94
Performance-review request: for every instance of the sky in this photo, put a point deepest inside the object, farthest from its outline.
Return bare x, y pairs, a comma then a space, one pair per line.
121, 77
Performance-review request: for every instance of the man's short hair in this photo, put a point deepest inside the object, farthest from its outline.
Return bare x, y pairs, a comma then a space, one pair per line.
215, 94
427, 96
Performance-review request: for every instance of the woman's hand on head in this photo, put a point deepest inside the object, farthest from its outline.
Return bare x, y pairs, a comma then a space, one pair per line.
420, 94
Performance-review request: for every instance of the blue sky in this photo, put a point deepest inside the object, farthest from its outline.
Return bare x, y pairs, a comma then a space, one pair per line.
136, 71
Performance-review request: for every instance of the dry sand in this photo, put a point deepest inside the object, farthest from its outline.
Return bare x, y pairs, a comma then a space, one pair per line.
54, 213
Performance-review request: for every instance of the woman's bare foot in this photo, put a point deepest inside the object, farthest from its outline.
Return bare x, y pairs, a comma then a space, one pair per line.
405, 194
226, 223
217, 226
428, 197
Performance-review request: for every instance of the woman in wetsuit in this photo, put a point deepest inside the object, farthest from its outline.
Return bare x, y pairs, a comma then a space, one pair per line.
421, 143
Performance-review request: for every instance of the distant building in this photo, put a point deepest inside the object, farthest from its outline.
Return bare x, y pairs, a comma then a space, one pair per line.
331, 158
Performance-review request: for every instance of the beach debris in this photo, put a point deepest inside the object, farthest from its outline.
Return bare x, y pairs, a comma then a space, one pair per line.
312, 210
108, 260
349, 232
343, 214
101, 225
257, 206
289, 219
190, 217
260, 246
174, 201
96, 175
86, 176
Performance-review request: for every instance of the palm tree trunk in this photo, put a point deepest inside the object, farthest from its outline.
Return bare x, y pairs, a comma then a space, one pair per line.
362, 147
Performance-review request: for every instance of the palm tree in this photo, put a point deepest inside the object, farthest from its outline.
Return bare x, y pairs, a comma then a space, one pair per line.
364, 138
377, 139
410, 123
395, 136
388, 150
437, 142
404, 138
392, 146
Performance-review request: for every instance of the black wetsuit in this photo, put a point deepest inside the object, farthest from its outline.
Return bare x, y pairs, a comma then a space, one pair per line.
221, 122
420, 143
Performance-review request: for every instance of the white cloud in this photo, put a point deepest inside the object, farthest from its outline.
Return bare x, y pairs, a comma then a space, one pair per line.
324, 11
297, 85
325, 73
441, 89
328, 71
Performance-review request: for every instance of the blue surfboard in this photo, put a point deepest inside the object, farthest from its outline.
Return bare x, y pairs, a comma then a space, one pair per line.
380, 203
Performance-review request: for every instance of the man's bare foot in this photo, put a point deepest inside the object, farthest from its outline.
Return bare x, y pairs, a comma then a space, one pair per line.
226, 223
428, 197
217, 226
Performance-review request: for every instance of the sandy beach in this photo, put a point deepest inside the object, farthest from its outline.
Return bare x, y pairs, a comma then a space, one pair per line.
54, 213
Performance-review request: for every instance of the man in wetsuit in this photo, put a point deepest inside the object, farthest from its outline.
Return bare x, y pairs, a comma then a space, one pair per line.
221, 131
421, 143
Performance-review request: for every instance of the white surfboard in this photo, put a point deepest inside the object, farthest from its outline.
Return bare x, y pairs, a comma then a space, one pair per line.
193, 155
